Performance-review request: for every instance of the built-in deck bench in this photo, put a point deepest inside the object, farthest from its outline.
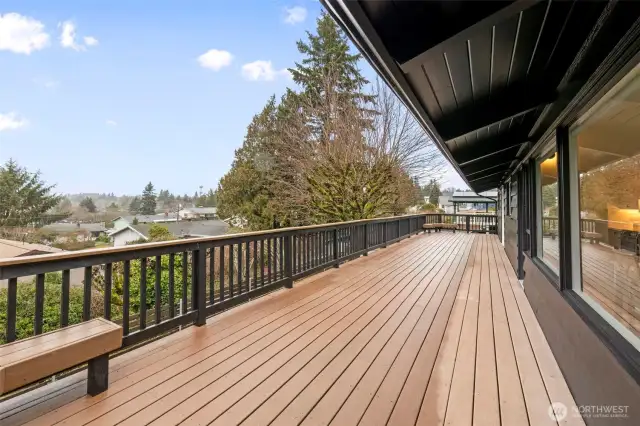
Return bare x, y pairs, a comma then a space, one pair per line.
26, 361
437, 227
593, 237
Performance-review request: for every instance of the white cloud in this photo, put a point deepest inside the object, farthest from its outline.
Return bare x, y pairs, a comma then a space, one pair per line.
68, 37
262, 71
21, 34
295, 15
91, 41
111, 123
215, 59
11, 121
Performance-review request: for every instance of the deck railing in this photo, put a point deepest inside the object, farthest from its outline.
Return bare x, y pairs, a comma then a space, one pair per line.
467, 222
153, 288
193, 278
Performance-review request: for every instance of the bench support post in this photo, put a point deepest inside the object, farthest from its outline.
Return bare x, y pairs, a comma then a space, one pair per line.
98, 375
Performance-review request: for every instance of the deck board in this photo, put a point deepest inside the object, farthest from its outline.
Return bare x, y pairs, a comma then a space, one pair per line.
434, 330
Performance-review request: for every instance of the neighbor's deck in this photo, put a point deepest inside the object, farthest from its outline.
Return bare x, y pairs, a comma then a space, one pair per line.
433, 330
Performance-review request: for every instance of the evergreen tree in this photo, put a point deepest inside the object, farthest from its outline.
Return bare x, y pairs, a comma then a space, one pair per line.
244, 190
327, 58
148, 202
25, 198
134, 206
88, 204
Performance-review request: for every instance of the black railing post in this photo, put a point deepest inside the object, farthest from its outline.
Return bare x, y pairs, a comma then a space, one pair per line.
12, 293
468, 223
199, 258
288, 262
336, 263
384, 234
366, 239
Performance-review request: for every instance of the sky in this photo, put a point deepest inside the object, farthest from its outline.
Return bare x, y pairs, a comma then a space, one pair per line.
105, 96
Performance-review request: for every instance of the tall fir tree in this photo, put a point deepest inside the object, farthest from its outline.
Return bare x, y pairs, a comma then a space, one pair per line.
148, 202
25, 197
329, 75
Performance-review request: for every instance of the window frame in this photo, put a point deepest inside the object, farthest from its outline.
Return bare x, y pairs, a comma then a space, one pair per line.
537, 248
598, 314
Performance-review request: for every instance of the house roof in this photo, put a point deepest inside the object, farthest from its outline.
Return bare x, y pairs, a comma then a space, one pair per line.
201, 210
11, 248
183, 228
472, 197
143, 218
490, 81
73, 227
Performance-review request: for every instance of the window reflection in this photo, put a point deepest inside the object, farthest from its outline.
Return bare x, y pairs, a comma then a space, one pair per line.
548, 210
608, 150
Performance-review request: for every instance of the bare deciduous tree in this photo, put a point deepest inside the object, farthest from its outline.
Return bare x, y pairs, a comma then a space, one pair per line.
365, 164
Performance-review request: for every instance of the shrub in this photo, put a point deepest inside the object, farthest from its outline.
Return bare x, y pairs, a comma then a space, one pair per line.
25, 306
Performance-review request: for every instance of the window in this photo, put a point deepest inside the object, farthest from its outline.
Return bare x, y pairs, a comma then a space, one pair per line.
547, 214
607, 143
513, 198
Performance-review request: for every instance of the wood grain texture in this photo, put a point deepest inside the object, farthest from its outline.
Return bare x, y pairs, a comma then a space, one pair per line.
27, 361
435, 330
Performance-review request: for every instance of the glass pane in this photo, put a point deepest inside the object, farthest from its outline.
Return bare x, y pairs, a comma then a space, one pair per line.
608, 143
548, 211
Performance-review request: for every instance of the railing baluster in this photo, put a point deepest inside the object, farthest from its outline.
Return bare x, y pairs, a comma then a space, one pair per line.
269, 260
199, 273
255, 263
288, 271
12, 301
231, 270
240, 268
185, 270
281, 265
86, 301
158, 290
143, 293
64, 300
108, 269
261, 263
221, 253
212, 277
172, 296
247, 265
126, 272
37, 327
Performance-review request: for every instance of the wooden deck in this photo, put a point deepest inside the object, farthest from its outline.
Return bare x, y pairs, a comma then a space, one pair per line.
610, 277
435, 330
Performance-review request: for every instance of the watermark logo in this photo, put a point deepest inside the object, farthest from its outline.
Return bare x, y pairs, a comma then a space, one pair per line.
557, 411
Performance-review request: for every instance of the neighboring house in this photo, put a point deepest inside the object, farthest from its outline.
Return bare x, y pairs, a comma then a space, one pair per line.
444, 203
123, 221
11, 248
93, 229
469, 200
198, 213
181, 229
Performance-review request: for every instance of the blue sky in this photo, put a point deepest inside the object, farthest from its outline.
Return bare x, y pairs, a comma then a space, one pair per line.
105, 96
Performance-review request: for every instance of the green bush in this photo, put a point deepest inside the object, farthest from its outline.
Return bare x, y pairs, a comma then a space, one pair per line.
25, 307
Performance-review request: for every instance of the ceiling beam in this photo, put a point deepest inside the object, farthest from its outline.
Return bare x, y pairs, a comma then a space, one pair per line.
477, 169
488, 147
464, 35
513, 101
